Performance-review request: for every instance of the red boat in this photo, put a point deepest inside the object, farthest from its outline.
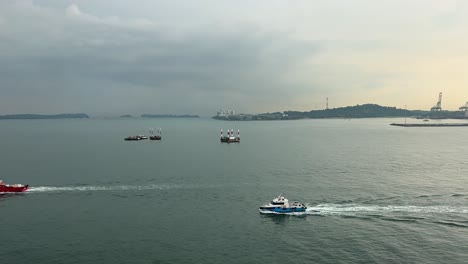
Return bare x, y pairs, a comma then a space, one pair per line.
12, 188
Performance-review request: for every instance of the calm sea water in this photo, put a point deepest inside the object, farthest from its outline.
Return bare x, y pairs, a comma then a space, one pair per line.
378, 194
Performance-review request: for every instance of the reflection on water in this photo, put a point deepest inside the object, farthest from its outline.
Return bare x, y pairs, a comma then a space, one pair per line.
281, 219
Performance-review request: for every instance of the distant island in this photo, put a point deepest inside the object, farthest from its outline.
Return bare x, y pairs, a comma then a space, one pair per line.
358, 111
169, 116
126, 116
35, 116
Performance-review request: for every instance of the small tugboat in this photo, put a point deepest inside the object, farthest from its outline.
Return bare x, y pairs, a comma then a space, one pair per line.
229, 138
136, 138
281, 205
157, 136
132, 138
12, 188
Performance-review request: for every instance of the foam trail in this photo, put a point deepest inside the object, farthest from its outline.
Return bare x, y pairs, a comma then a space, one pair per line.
40, 189
356, 209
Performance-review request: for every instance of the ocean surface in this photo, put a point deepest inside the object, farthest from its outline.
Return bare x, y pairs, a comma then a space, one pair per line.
376, 193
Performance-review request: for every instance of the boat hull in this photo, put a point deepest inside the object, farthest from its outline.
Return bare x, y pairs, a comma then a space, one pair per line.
282, 210
135, 138
13, 189
228, 140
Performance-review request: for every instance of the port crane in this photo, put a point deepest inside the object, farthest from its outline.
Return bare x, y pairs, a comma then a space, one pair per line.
438, 106
464, 107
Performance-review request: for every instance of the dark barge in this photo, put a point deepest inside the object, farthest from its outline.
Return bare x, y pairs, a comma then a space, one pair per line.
229, 138
157, 136
135, 138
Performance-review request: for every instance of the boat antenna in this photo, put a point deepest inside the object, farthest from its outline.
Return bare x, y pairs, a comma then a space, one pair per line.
238, 133
221, 133
279, 196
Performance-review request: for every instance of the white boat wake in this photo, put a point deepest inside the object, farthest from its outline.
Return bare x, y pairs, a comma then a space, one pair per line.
356, 209
41, 189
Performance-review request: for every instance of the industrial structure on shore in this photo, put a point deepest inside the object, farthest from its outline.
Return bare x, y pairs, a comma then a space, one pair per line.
438, 106
464, 107
225, 113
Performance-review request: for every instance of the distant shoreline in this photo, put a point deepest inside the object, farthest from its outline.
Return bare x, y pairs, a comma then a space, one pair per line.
36, 116
169, 116
349, 112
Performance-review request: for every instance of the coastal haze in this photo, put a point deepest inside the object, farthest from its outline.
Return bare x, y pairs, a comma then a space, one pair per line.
377, 193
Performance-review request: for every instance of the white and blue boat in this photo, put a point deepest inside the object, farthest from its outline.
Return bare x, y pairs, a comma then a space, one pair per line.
281, 205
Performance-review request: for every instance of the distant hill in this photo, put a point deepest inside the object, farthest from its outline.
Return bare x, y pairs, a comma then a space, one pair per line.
169, 116
358, 111
35, 116
126, 116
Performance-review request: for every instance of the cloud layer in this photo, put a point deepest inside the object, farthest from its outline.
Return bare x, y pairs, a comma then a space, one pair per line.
254, 56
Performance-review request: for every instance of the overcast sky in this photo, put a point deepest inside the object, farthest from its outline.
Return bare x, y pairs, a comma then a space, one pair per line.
112, 57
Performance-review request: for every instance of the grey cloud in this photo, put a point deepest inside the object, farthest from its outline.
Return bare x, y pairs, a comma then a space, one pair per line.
99, 60
197, 56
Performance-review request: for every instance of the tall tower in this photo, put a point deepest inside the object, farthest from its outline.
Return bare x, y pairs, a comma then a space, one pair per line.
438, 106
327, 104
